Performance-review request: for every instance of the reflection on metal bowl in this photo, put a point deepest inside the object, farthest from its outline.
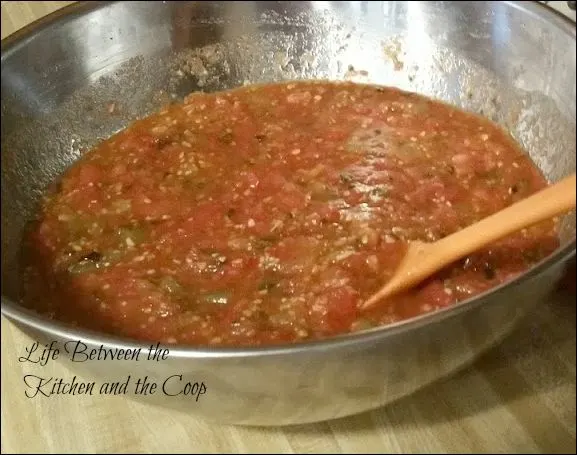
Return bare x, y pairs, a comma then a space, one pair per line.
512, 61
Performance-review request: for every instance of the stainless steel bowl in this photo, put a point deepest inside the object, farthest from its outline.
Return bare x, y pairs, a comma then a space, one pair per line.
512, 61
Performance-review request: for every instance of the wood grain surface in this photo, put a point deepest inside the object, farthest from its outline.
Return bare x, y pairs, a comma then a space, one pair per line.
518, 398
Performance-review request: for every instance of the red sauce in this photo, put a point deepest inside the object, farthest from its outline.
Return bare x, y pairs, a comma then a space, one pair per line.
266, 214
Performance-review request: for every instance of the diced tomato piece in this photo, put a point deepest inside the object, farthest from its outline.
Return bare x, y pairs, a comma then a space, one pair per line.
434, 294
335, 310
249, 180
291, 200
297, 254
272, 182
81, 177
233, 312
463, 164
427, 191
357, 264
485, 200
88, 174
154, 207
135, 141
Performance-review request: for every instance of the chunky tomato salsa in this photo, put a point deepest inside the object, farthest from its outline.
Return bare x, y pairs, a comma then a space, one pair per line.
266, 214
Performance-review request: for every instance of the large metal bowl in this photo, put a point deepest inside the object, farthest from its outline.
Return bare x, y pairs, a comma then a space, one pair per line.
512, 61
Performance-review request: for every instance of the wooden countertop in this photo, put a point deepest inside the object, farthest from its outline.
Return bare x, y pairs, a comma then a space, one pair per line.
519, 398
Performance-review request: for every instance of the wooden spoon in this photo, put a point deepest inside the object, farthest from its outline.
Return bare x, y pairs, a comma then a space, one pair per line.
424, 259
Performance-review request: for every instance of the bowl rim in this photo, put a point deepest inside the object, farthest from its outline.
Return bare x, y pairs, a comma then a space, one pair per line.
59, 330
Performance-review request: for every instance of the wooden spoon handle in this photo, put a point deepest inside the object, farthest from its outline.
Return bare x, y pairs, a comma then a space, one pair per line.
424, 259
543, 205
